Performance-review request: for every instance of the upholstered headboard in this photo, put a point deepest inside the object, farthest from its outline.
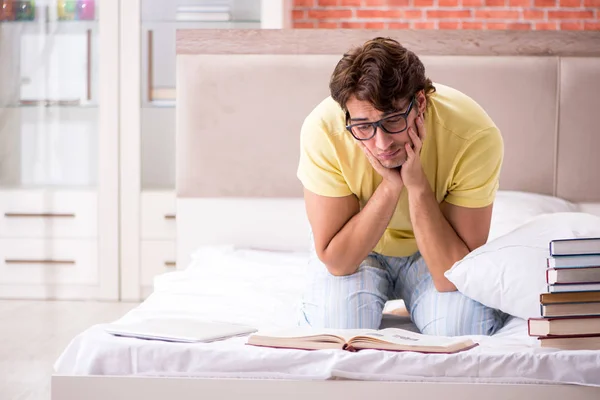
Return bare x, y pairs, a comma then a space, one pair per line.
243, 95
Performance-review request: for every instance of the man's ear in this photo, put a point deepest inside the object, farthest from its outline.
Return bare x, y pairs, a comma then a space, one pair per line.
422, 101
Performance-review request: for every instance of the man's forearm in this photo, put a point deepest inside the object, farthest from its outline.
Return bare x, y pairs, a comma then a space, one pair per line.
359, 236
437, 241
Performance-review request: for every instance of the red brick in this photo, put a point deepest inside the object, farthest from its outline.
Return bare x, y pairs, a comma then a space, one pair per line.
375, 25
328, 3
398, 3
304, 25
327, 25
399, 25
329, 14
545, 3
304, 3
472, 25
448, 25
591, 26
353, 25
375, 3
496, 14
495, 3
496, 26
350, 3
423, 25
570, 3
422, 3
520, 3
448, 3
546, 26
534, 14
519, 26
592, 3
389, 14
472, 3
571, 26
413, 14
570, 14
442, 14
298, 14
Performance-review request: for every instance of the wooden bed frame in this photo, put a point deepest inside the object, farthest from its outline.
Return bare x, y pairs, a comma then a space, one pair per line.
117, 388
557, 156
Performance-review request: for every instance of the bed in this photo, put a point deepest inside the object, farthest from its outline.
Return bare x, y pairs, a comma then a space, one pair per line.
241, 220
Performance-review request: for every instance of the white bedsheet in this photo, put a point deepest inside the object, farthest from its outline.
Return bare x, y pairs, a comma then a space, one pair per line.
510, 356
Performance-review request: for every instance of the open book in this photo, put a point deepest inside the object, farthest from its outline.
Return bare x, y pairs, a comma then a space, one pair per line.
356, 339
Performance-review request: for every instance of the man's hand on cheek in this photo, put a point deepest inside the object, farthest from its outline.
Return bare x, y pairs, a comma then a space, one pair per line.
412, 171
391, 176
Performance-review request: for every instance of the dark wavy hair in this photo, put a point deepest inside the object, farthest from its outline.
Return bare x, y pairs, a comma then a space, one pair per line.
382, 72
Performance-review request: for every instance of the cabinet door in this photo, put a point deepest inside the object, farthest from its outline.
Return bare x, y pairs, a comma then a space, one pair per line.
59, 123
159, 22
49, 99
148, 96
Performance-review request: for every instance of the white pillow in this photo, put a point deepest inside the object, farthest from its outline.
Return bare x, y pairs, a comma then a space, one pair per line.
224, 283
509, 273
512, 209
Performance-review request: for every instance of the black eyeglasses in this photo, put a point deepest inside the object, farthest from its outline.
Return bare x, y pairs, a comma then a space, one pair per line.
391, 124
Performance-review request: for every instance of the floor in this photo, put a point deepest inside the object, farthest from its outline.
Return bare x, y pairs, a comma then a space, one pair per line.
34, 333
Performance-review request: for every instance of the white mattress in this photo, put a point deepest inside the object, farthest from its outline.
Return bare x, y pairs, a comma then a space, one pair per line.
508, 357
263, 289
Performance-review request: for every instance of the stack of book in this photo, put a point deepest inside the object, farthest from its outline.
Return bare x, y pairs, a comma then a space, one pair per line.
571, 308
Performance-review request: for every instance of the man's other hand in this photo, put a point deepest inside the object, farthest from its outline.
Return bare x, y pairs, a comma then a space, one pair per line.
412, 171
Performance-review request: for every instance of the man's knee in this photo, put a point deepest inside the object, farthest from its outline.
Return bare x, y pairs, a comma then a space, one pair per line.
351, 309
348, 302
467, 317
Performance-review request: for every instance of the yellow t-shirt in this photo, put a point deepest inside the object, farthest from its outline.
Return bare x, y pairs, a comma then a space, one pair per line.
461, 157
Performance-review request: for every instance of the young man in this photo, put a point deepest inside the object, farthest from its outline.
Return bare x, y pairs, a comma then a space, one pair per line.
399, 179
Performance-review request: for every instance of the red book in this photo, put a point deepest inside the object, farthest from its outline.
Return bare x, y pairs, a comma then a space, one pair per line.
570, 309
581, 342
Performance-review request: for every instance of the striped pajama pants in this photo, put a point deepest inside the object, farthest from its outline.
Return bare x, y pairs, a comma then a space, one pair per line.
357, 300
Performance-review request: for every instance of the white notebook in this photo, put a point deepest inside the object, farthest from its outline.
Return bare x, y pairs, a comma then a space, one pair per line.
179, 330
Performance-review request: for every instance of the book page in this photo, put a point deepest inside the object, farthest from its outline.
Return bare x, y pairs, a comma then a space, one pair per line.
406, 338
341, 335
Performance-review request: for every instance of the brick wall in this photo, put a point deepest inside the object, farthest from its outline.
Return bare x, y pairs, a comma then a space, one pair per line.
448, 14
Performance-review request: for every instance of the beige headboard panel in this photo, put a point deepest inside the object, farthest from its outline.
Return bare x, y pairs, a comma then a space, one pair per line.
243, 114
578, 175
242, 97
